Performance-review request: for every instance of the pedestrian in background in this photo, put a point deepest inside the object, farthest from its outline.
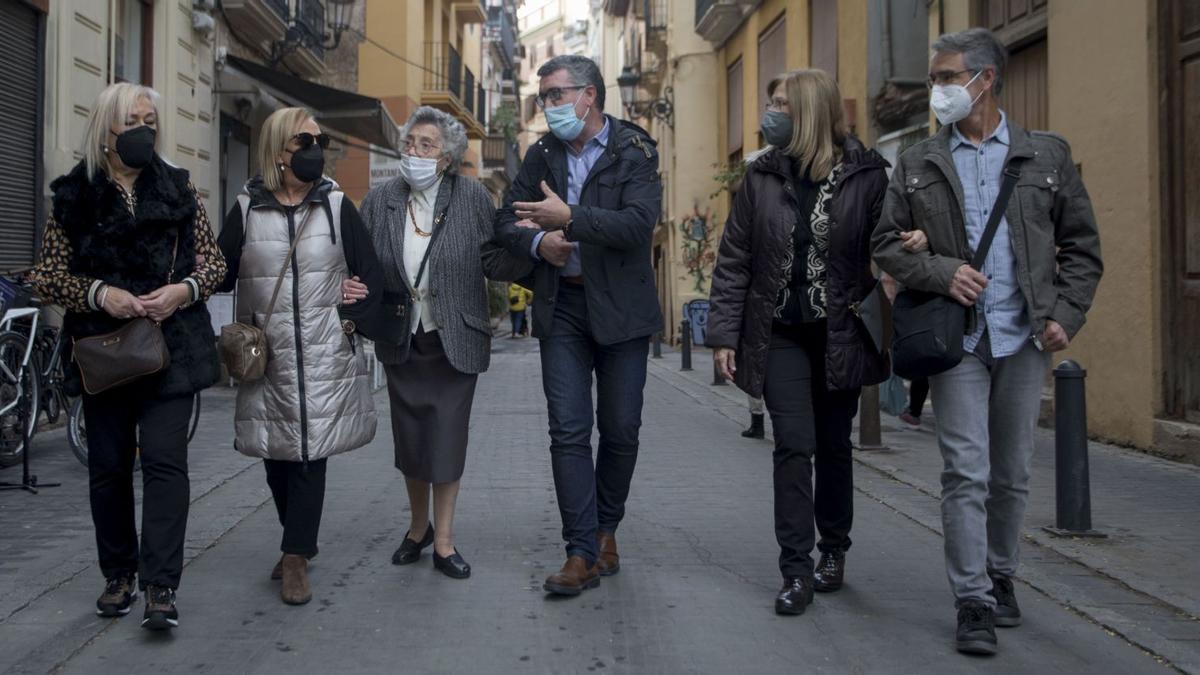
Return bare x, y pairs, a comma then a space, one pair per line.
918, 391
793, 261
432, 227
128, 237
290, 241
584, 206
519, 298
757, 428
1030, 298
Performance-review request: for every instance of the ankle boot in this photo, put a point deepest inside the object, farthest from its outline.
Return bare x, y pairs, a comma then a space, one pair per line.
295, 590
756, 427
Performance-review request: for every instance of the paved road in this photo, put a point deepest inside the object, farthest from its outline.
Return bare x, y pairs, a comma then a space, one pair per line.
694, 594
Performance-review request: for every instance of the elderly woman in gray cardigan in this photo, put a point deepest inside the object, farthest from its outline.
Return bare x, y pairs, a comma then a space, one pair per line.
432, 230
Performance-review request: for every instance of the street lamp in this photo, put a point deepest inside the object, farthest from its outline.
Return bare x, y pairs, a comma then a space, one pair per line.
662, 108
302, 34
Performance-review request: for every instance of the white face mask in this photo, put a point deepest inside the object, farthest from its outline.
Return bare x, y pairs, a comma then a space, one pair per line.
952, 102
418, 172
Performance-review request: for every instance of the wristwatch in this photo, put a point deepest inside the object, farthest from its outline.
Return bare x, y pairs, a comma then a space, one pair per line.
348, 327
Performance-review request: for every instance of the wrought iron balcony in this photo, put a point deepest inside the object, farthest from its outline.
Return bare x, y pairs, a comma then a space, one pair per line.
310, 17
444, 87
501, 155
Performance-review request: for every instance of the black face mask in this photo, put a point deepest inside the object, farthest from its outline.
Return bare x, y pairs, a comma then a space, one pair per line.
135, 147
308, 164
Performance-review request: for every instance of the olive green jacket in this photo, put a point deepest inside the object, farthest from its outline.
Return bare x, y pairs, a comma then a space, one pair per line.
1050, 220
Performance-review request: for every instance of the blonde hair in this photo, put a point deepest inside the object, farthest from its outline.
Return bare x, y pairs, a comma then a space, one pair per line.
112, 107
818, 124
273, 138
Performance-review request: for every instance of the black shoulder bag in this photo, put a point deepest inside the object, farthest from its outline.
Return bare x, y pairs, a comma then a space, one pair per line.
929, 327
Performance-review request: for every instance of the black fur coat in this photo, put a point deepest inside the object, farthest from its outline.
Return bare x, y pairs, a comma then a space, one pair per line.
133, 251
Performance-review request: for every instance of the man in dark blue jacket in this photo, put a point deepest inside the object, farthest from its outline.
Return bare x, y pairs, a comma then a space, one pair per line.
584, 206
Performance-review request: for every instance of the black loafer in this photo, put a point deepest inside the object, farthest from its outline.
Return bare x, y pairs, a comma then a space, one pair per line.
795, 596
452, 565
410, 551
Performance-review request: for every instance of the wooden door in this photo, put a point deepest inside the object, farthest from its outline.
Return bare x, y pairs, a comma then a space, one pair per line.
1021, 27
1181, 145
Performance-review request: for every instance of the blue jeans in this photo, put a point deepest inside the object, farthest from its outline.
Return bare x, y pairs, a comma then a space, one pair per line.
591, 498
518, 321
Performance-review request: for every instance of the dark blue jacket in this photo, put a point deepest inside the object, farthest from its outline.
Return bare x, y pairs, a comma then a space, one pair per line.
614, 224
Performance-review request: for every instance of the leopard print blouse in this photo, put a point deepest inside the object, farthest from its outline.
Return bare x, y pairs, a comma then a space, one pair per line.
78, 293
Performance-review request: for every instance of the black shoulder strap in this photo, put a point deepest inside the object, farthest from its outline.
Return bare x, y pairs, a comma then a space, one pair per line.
439, 220
1011, 173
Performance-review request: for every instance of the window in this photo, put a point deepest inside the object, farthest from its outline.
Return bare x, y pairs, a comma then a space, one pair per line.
734, 110
772, 58
823, 28
133, 36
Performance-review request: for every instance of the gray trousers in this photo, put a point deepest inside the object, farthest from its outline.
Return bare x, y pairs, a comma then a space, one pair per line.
986, 417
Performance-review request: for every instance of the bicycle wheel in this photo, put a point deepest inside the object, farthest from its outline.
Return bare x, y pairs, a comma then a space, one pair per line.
77, 432
16, 380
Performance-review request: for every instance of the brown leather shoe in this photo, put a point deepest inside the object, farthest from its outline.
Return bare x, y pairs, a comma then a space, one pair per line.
609, 562
277, 570
573, 579
295, 589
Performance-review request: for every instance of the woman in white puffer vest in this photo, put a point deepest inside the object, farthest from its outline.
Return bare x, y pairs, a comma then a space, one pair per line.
315, 399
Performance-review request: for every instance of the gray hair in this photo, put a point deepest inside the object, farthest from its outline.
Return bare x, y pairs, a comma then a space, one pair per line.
980, 49
454, 136
582, 71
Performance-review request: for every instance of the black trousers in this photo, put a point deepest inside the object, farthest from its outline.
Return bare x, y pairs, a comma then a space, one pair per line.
121, 423
809, 421
918, 391
299, 493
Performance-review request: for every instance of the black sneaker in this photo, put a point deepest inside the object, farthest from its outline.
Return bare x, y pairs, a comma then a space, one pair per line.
831, 571
1008, 614
117, 599
976, 629
160, 609
795, 596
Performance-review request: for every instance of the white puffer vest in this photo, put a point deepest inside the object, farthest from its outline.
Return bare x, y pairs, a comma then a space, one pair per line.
315, 400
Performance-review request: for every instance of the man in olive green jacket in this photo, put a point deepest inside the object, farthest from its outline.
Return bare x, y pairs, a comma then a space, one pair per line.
1030, 298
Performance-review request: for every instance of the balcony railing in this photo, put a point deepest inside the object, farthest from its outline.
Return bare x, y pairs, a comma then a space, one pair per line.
469, 91
444, 71
481, 107
702, 6
310, 15
655, 15
280, 7
501, 29
500, 153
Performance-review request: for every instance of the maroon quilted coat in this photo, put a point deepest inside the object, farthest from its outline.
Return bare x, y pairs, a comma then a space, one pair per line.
749, 272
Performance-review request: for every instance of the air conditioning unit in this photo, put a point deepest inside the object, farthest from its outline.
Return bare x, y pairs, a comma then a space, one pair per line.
721, 19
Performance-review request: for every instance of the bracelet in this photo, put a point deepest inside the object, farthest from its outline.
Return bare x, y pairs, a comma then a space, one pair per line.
103, 296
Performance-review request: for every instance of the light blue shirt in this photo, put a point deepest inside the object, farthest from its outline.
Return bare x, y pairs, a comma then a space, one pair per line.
1001, 309
579, 165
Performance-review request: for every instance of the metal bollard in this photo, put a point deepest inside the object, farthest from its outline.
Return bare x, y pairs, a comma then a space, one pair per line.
718, 381
870, 430
1072, 486
685, 346
656, 345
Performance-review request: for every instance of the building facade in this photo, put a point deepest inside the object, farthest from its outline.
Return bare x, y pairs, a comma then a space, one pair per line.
1136, 139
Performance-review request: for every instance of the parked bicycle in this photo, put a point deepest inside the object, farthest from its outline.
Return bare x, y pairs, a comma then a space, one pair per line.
36, 366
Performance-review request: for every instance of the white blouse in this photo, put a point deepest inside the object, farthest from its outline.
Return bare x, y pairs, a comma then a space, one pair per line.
423, 203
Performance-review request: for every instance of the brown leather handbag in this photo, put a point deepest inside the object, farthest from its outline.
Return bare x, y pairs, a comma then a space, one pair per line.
243, 346
129, 353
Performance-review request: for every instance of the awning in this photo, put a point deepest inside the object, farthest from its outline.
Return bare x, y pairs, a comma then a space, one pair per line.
351, 114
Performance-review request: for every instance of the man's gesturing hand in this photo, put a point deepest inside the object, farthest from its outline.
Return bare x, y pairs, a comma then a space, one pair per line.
552, 212
554, 248
967, 285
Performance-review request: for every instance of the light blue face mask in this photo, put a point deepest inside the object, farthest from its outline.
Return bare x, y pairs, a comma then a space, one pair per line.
563, 122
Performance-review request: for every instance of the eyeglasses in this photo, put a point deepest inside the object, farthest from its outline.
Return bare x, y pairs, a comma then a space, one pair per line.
945, 77
306, 139
423, 146
555, 95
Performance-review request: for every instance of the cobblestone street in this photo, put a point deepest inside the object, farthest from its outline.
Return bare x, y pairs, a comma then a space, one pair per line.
694, 595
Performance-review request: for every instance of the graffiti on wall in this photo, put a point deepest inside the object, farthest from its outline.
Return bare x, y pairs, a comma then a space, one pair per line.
698, 254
